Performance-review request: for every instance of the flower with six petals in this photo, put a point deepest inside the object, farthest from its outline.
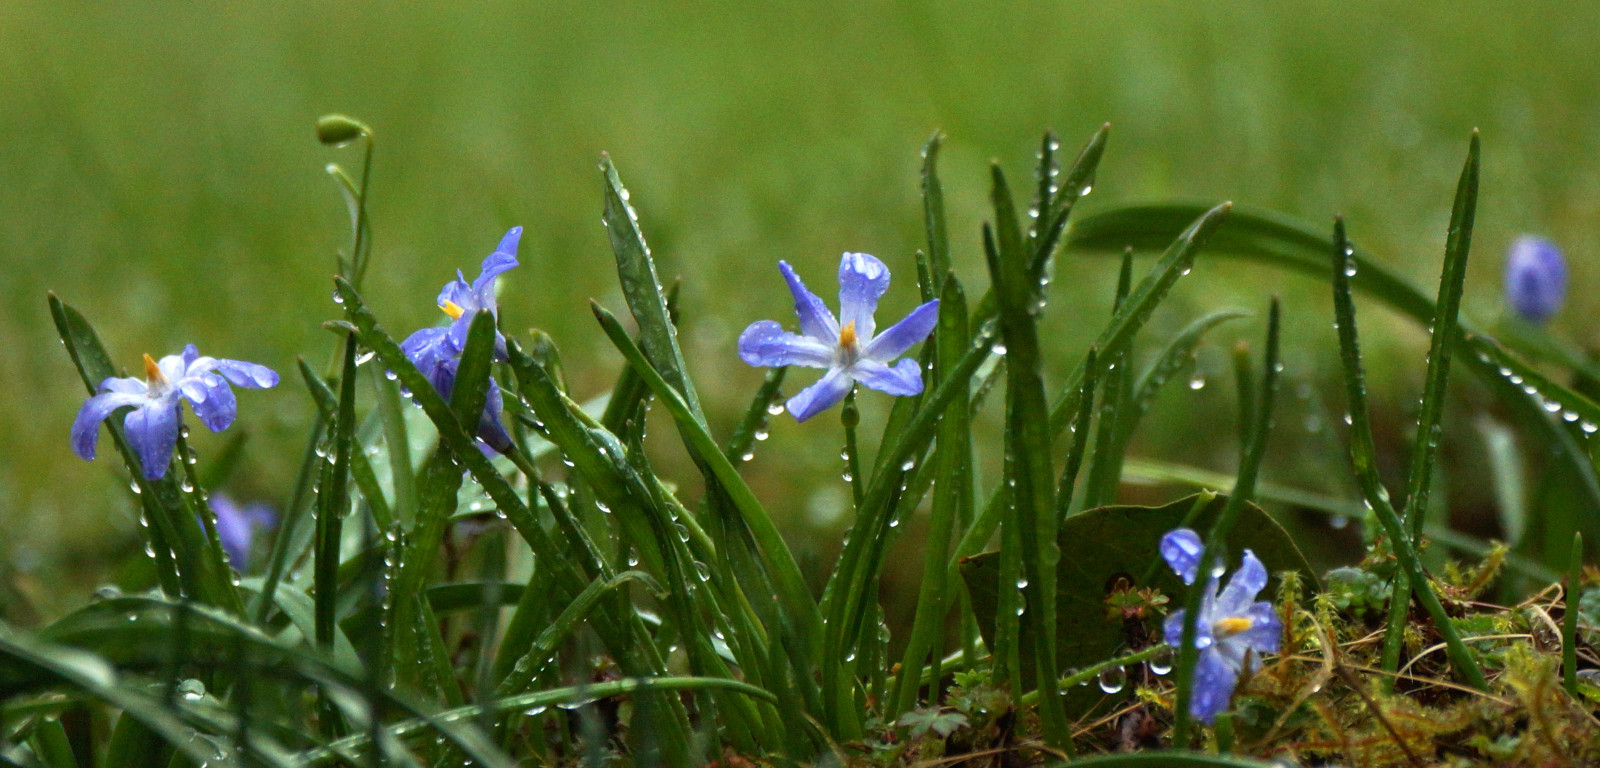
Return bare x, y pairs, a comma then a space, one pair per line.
153, 424
437, 351
848, 347
1233, 628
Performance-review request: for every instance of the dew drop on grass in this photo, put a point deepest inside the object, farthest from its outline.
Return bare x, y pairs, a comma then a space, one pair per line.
762, 434
775, 409
1022, 583
908, 465
1112, 680
1197, 381
1588, 427
1569, 416
133, 485
192, 689
1161, 663
1338, 522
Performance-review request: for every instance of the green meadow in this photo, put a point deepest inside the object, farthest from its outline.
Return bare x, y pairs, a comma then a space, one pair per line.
158, 171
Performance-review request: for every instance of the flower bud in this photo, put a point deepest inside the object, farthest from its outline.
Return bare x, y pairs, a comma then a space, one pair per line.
1536, 278
340, 129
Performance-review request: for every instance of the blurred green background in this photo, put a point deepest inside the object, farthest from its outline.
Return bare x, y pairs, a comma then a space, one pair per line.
158, 171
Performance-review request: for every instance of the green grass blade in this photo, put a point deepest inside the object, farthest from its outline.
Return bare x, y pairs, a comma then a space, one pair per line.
1105, 473
953, 470
333, 501
1028, 453
1263, 237
1362, 457
935, 225
1452, 283
775, 552
641, 287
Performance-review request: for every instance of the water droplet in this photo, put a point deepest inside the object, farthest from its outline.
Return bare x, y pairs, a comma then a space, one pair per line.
1197, 381
908, 465
1112, 680
683, 532
535, 711
337, 299
848, 477
1161, 663
365, 357
998, 349
1338, 522
192, 689
775, 409
1551, 406
1349, 420
748, 455
1349, 269
186, 486
1588, 427
133, 485
633, 558
1569, 416
391, 375
1022, 583
1087, 188
895, 523
762, 434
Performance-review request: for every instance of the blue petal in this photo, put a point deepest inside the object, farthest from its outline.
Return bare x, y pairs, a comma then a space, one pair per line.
765, 343
1266, 629
1172, 628
1214, 679
862, 281
212, 399
190, 354
125, 385
458, 292
815, 319
490, 429
1243, 585
86, 427
152, 431
820, 396
234, 529
496, 264
901, 336
902, 380
1181, 548
248, 375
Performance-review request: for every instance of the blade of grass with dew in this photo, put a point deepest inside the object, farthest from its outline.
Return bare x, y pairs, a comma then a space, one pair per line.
1263, 237
775, 553
641, 287
634, 659
1028, 461
200, 569
333, 501
1105, 469
952, 461
933, 215
397, 436
1442, 329
542, 699
1178, 354
97, 679
1172, 265
360, 466
1362, 458
1249, 467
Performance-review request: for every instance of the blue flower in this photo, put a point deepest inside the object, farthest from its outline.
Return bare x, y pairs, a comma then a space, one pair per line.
237, 526
850, 352
152, 426
1536, 278
437, 351
1233, 628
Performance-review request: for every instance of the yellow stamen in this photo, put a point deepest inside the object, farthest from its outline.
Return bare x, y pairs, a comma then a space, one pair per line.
152, 372
1233, 625
452, 309
847, 335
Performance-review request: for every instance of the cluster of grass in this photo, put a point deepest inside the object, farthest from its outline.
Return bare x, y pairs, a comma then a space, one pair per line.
564, 602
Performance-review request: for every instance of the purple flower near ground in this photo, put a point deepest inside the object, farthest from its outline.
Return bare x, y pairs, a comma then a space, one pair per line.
437, 351
237, 526
1536, 278
851, 351
153, 424
1233, 627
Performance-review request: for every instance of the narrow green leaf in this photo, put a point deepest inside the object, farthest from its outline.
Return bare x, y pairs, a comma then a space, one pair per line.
1452, 282
641, 286
1028, 455
933, 216
333, 501
1361, 456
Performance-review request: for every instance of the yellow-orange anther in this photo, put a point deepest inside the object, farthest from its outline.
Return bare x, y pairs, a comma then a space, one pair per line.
152, 372
1233, 625
847, 335
452, 309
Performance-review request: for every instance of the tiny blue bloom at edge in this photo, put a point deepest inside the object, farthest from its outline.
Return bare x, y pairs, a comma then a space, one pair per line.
1536, 278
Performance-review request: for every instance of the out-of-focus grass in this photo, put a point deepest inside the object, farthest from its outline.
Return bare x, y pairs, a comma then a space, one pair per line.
157, 170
